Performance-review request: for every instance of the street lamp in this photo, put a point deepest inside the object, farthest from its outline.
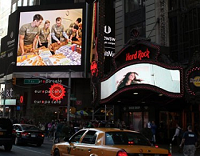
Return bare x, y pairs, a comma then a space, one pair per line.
69, 94
5, 82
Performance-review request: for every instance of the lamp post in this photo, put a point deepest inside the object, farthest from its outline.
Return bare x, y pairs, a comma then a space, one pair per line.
5, 82
69, 95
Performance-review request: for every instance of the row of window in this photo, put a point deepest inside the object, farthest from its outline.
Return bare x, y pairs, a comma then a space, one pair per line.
20, 3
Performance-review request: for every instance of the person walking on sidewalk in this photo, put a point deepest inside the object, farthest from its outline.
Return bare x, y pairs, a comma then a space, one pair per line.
190, 142
178, 136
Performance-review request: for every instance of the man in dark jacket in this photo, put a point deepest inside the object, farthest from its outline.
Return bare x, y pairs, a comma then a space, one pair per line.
190, 142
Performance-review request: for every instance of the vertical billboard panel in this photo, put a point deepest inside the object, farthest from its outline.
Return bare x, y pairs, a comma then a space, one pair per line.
109, 34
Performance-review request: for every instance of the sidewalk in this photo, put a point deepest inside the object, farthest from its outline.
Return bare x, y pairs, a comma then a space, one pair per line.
175, 150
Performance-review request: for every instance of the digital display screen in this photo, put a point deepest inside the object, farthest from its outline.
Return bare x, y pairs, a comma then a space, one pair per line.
51, 38
143, 73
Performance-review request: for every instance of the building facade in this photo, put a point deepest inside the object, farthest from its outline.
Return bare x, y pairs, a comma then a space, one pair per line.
172, 25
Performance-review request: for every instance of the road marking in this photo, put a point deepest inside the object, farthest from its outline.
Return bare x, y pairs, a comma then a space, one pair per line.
32, 151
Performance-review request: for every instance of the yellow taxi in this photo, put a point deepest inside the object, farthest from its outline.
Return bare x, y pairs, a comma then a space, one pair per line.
107, 142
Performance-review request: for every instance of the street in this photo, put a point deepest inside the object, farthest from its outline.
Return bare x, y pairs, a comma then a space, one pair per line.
29, 150
45, 149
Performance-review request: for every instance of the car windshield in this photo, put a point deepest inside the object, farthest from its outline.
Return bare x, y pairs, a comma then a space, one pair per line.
125, 138
29, 127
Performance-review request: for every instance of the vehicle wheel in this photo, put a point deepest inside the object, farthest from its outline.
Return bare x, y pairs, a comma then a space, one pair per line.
8, 147
56, 152
16, 141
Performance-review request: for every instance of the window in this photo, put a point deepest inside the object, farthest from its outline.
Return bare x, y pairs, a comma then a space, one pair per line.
90, 137
132, 5
14, 7
19, 3
18, 128
31, 2
25, 3
76, 138
125, 138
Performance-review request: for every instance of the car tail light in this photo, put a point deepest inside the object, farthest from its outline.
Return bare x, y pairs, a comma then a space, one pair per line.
156, 146
13, 131
41, 135
130, 142
24, 134
169, 154
122, 153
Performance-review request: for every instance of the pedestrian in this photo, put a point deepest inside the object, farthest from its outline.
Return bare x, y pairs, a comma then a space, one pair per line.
178, 136
153, 130
190, 142
58, 131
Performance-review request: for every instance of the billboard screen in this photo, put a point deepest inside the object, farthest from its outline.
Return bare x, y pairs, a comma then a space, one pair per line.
51, 38
143, 73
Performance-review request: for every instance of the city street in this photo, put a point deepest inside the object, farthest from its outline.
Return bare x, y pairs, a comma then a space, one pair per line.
29, 150
44, 150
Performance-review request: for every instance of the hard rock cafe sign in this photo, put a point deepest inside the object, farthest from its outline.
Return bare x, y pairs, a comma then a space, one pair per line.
193, 76
57, 92
195, 81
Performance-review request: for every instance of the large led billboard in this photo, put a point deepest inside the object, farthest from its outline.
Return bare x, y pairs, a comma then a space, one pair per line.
50, 38
149, 74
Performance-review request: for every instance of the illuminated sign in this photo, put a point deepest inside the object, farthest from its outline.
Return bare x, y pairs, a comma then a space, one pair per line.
138, 55
50, 92
21, 99
57, 92
69, 53
142, 51
94, 68
195, 81
133, 76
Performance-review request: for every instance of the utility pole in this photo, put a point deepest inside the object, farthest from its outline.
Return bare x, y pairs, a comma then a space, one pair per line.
5, 82
69, 95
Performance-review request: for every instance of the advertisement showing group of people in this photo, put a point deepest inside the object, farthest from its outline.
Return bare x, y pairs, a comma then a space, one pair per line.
50, 38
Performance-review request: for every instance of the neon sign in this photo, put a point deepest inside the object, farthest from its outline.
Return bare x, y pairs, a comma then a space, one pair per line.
195, 81
57, 92
138, 55
21, 99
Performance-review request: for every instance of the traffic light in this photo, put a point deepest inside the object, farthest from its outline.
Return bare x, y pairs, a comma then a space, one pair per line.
14, 80
73, 110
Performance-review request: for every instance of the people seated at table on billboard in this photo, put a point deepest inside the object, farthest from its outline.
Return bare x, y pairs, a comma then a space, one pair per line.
73, 33
79, 23
28, 35
129, 79
44, 35
58, 33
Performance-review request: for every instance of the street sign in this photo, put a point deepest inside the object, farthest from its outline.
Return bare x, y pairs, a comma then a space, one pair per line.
31, 81
72, 98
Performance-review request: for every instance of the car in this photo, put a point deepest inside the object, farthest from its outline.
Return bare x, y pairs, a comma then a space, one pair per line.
6, 133
28, 134
107, 142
